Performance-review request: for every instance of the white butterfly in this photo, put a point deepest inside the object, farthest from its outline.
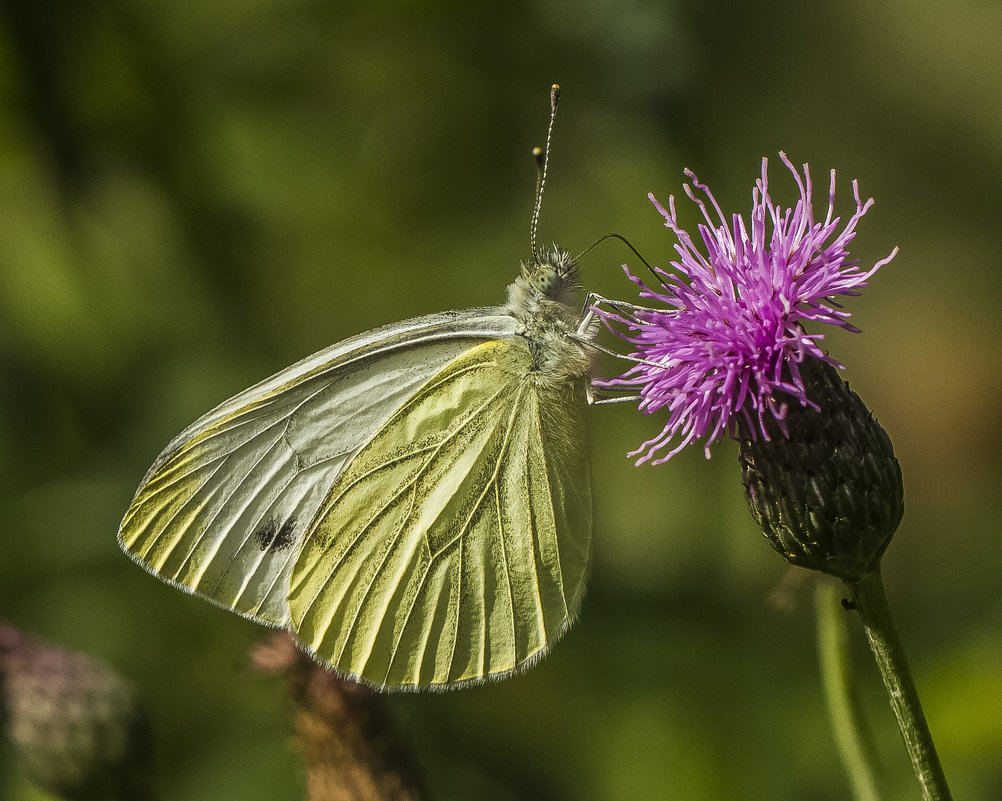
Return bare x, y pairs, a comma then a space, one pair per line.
413, 503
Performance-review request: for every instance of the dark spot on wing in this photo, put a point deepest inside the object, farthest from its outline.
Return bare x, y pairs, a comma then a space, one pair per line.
275, 538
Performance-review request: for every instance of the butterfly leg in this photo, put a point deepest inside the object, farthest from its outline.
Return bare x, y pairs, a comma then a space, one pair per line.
586, 332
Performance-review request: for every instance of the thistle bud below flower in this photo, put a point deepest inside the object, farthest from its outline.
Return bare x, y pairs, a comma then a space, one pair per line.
828, 494
74, 724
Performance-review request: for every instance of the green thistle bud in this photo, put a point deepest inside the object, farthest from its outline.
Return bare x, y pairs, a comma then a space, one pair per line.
74, 724
829, 495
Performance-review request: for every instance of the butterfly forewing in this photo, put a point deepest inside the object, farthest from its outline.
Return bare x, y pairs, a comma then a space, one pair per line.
224, 509
455, 544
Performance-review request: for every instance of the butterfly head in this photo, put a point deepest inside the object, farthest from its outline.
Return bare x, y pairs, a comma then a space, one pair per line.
551, 275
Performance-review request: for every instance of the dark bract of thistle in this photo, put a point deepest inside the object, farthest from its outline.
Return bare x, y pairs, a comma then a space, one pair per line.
729, 335
829, 495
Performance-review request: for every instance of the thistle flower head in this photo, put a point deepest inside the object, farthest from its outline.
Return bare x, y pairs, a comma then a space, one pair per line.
729, 338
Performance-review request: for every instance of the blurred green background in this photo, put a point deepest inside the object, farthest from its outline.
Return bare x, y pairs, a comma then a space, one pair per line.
193, 196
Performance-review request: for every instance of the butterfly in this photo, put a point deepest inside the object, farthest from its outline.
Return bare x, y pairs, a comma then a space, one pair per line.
413, 503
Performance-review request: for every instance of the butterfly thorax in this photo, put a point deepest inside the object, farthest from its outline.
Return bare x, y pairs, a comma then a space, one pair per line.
542, 300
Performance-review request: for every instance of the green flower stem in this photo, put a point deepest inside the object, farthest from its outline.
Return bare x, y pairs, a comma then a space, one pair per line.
853, 745
868, 595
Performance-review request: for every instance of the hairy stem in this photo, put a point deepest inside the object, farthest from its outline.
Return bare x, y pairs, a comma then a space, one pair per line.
343, 731
868, 596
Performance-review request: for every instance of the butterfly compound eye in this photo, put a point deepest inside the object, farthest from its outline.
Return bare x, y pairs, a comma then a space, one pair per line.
546, 279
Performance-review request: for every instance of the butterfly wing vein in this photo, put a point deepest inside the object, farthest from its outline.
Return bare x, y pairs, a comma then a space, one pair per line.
223, 511
451, 548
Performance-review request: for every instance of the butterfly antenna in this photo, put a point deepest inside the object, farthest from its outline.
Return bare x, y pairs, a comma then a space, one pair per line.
629, 244
542, 157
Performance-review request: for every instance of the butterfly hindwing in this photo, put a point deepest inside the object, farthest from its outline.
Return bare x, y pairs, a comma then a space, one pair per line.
223, 510
454, 546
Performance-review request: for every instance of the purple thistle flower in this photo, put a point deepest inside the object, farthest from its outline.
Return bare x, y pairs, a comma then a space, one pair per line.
731, 338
